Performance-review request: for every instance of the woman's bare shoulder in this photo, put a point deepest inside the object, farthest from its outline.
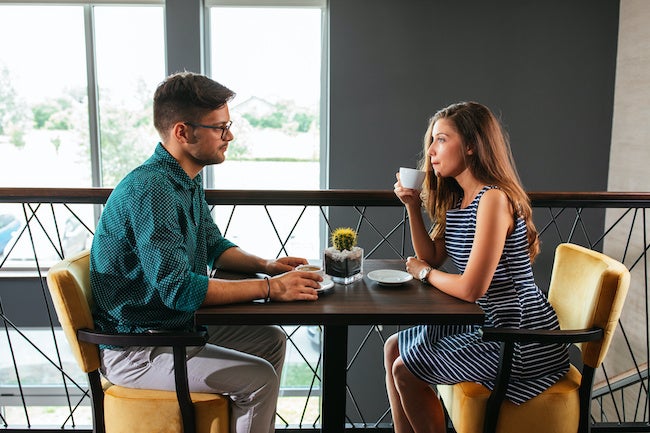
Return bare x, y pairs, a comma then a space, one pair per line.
495, 200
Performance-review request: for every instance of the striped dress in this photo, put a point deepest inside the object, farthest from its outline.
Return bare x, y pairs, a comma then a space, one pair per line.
448, 354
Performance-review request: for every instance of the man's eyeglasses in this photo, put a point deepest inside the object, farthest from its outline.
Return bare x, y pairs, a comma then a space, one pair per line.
224, 128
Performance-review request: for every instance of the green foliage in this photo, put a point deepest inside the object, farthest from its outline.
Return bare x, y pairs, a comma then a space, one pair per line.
42, 114
67, 112
297, 375
344, 238
18, 138
273, 120
13, 112
285, 116
127, 136
53, 114
236, 150
303, 121
56, 141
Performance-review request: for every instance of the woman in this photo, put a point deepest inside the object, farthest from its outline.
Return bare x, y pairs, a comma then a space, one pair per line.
483, 222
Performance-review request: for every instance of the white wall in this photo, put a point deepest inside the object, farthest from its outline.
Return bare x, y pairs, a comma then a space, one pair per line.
628, 171
630, 150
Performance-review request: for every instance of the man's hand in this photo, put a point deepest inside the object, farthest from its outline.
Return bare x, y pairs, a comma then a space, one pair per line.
283, 264
295, 286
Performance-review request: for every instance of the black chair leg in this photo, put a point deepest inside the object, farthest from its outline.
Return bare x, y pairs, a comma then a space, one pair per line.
97, 399
183, 391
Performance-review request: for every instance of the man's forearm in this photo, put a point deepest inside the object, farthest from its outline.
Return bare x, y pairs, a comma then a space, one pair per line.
238, 260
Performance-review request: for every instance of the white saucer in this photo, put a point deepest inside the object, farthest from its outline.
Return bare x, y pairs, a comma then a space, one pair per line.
325, 285
390, 277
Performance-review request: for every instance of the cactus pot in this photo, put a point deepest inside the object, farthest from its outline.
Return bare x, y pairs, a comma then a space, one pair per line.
345, 266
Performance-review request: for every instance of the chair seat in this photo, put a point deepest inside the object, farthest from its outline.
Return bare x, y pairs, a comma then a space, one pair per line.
133, 410
555, 410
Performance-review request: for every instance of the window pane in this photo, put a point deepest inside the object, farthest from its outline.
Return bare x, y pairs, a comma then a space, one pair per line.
130, 64
276, 74
43, 101
34, 234
49, 380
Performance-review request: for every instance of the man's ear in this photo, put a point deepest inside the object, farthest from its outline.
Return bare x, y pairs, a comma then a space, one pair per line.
181, 132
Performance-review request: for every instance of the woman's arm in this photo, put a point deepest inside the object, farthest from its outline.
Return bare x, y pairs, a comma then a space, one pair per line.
431, 251
494, 221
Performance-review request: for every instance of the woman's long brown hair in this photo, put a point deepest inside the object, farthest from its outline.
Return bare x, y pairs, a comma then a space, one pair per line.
491, 162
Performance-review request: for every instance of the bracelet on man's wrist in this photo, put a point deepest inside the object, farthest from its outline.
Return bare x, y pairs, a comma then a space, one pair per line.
268, 290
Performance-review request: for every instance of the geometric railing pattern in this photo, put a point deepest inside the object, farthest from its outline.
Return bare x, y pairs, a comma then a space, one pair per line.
41, 390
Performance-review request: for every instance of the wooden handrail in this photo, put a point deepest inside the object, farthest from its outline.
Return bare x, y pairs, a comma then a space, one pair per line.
54, 195
331, 197
590, 199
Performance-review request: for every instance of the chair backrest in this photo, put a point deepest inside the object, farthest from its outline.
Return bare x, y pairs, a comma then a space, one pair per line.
588, 290
69, 285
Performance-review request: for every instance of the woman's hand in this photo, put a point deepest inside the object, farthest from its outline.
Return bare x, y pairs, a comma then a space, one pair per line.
415, 265
410, 197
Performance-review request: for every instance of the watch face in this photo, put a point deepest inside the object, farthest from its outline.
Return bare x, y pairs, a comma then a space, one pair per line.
423, 273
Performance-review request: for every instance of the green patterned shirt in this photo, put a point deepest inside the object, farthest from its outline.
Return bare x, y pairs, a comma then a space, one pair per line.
152, 249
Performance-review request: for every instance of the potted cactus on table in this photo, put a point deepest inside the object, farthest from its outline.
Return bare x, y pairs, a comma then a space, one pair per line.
344, 259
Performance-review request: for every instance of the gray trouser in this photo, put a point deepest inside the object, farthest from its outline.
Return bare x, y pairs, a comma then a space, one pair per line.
242, 362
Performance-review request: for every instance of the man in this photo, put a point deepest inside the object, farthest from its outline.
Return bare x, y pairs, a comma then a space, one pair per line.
150, 257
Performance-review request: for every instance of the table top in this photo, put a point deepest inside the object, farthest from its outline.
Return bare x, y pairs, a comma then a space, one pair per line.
364, 302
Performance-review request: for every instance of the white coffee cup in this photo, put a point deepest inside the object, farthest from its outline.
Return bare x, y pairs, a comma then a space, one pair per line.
411, 177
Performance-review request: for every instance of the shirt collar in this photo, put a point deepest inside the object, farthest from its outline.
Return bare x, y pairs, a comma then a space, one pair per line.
174, 169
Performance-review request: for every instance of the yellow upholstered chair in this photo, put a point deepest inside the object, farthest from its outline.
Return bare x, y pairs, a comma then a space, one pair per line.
587, 290
117, 409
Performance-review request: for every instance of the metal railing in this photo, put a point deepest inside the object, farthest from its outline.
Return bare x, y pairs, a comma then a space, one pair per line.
52, 223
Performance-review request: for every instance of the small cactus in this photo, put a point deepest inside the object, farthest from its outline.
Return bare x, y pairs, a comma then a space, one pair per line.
344, 238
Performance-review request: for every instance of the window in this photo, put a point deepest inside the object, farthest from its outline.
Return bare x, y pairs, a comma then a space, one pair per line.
43, 105
48, 110
45, 121
130, 55
277, 77
76, 87
271, 58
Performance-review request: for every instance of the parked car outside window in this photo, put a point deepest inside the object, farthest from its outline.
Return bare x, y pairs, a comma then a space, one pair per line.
9, 225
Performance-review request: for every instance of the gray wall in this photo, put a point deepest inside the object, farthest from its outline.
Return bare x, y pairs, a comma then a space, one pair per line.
546, 67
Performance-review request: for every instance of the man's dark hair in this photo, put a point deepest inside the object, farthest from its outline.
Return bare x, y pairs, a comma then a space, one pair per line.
186, 97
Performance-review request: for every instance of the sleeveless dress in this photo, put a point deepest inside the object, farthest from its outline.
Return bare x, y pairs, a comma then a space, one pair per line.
448, 354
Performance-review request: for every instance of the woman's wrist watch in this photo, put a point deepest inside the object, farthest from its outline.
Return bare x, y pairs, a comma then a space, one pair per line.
424, 273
